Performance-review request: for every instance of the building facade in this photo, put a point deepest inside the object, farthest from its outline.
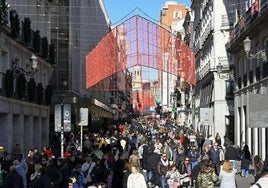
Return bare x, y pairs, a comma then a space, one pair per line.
65, 31
251, 76
172, 17
25, 71
207, 34
76, 29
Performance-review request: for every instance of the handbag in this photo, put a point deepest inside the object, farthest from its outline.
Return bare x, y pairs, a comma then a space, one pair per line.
170, 181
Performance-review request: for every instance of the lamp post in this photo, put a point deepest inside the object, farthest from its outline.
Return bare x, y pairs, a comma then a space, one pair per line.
16, 70
260, 55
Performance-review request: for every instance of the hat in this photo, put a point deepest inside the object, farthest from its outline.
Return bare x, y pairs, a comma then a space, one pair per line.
16, 162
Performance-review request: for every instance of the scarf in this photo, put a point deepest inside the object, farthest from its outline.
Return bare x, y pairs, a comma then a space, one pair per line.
165, 163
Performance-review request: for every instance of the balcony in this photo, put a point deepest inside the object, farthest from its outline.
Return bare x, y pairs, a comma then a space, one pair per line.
247, 22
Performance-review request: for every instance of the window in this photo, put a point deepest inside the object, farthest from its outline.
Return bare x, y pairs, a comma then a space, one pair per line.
163, 13
250, 77
230, 90
245, 80
239, 83
265, 70
258, 74
177, 14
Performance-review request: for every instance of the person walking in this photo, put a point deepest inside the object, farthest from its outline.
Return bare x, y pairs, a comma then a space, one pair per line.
173, 177
54, 174
207, 176
185, 170
231, 154
13, 179
258, 166
152, 174
214, 155
22, 170
194, 155
263, 180
43, 180
118, 174
218, 139
136, 179
87, 168
134, 158
162, 168
127, 172
200, 139
227, 175
245, 161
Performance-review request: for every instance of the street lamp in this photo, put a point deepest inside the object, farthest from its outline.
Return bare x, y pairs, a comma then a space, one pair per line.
260, 55
16, 70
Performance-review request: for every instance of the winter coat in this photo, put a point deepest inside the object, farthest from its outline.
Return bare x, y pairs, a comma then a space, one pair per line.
245, 159
227, 179
42, 182
173, 176
231, 153
54, 175
193, 155
153, 161
214, 155
207, 178
136, 180
162, 168
13, 180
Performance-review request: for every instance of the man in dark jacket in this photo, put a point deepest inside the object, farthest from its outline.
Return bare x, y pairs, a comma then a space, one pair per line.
231, 154
43, 181
54, 174
117, 181
13, 179
200, 141
214, 156
152, 162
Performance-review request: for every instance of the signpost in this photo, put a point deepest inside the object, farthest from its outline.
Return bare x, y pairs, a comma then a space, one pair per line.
62, 122
83, 122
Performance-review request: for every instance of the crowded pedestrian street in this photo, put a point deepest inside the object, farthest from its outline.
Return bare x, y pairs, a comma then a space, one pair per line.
145, 152
134, 94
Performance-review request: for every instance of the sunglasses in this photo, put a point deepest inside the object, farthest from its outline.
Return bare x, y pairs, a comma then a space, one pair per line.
187, 160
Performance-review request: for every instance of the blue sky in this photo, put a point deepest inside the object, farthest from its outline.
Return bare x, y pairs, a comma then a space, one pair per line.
118, 10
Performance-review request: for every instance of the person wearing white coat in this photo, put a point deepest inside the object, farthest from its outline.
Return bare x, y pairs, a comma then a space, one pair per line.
136, 179
227, 175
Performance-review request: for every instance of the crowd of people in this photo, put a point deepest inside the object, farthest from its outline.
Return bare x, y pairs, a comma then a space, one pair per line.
142, 153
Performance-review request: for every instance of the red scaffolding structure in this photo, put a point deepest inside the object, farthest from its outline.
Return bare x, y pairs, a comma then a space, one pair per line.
137, 42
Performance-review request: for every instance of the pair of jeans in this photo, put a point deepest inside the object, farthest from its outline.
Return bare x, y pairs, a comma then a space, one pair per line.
149, 175
244, 172
163, 182
194, 164
233, 163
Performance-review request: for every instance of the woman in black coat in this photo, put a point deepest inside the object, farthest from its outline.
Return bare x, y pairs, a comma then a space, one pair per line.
127, 172
100, 172
245, 161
